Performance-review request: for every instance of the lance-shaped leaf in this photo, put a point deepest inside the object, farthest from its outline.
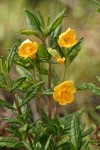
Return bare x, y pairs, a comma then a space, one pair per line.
88, 131
41, 19
11, 55
73, 52
48, 122
5, 104
15, 84
32, 21
2, 81
30, 32
10, 143
66, 121
55, 23
90, 86
76, 137
31, 92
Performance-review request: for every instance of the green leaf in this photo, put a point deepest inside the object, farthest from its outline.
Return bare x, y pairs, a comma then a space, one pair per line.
76, 137
5, 104
98, 10
48, 143
55, 23
15, 130
15, 84
33, 20
90, 86
12, 120
98, 107
30, 32
73, 52
89, 131
96, 2
10, 143
54, 37
31, 92
98, 78
23, 72
66, 121
49, 124
55, 77
27, 146
48, 92
11, 55
2, 81
45, 60
85, 145
63, 143
41, 19
42, 52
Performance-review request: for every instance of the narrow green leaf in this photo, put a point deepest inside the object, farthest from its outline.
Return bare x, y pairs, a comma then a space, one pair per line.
33, 20
48, 20
55, 23
2, 81
10, 143
12, 120
73, 52
15, 84
76, 137
54, 36
90, 86
66, 120
48, 92
98, 78
27, 146
30, 32
55, 77
45, 60
31, 92
11, 55
5, 104
89, 131
47, 121
48, 143
41, 19
15, 131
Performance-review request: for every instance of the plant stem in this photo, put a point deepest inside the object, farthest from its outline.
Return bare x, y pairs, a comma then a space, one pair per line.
65, 70
49, 83
49, 86
20, 113
16, 103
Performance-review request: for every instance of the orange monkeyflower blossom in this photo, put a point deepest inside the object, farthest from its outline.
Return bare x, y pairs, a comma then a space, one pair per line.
28, 49
59, 60
55, 54
67, 39
63, 93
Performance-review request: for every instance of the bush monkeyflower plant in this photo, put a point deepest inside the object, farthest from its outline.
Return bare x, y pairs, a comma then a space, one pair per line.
38, 81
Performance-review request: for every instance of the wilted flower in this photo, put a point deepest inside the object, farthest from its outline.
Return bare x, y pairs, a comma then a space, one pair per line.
63, 93
67, 39
28, 49
56, 55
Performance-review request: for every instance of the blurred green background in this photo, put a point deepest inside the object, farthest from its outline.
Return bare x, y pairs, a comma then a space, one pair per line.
83, 18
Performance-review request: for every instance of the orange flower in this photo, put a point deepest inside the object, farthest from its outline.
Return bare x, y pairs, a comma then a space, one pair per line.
67, 39
63, 93
59, 60
55, 54
28, 49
